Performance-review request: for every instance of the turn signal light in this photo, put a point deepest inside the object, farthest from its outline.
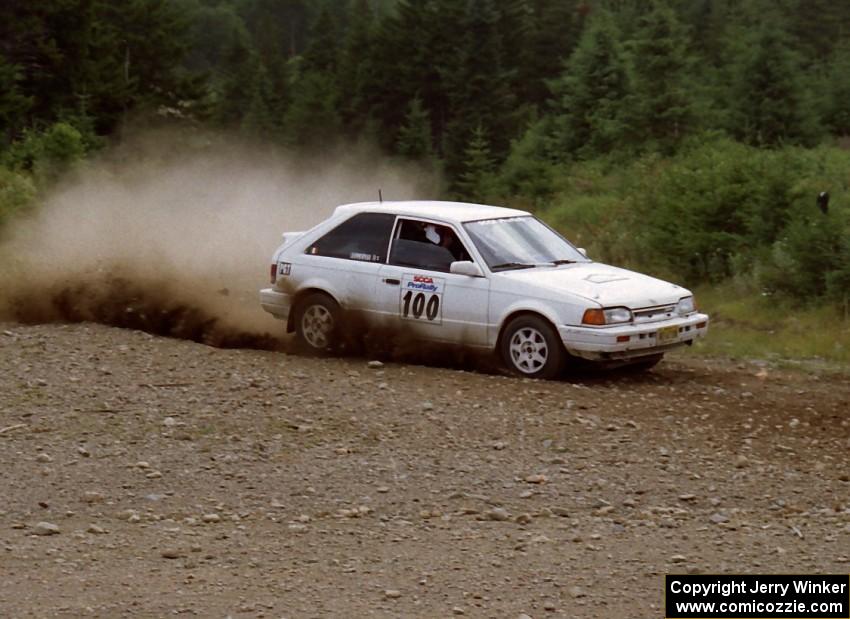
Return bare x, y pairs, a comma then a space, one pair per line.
593, 317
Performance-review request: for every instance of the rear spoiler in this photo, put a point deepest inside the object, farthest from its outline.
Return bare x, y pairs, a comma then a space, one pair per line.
288, 237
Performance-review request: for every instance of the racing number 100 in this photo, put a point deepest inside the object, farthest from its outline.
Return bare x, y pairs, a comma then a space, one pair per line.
418, 305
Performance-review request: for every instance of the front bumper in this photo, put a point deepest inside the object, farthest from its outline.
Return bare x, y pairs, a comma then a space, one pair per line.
276, 303
601, 343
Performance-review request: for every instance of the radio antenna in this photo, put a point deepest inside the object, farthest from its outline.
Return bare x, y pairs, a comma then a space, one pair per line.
380, 196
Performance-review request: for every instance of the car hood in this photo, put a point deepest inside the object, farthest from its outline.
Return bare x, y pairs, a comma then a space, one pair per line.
609, 286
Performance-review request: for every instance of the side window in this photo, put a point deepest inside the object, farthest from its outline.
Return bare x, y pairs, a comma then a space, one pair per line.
425, 245
363, 237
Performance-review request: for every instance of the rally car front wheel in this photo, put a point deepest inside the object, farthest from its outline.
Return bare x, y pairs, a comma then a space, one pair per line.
531, 347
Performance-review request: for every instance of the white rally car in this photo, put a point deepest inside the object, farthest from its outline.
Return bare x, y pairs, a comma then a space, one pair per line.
480, 276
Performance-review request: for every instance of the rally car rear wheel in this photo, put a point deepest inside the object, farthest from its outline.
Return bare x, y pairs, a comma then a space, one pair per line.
317, 322
530, 347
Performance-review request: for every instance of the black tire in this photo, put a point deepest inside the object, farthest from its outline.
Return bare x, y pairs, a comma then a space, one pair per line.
530, 347
645, 363
317, 318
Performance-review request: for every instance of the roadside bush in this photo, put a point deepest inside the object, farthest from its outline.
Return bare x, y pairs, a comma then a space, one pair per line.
708, 205
838, 281
527, 171
810, 258
722, 209
36, 161
17, 192
804, 259
718, 210
49, 153
593, 206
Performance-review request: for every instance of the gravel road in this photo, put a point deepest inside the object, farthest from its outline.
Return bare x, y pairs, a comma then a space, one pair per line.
151, 477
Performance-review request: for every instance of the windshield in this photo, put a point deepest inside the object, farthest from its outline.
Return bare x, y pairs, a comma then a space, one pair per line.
520, 242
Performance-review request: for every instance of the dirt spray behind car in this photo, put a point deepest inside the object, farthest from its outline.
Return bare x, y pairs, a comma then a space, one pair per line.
165, 233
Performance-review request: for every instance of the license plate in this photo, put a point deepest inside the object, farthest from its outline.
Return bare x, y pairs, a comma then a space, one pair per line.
667, 334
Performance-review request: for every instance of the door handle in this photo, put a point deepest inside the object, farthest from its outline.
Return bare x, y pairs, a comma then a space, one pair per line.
391, 281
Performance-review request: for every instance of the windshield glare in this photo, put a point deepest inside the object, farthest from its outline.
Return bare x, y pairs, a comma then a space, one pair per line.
520, 242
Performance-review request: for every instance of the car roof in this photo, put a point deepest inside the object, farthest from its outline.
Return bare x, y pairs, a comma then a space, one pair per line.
455, 212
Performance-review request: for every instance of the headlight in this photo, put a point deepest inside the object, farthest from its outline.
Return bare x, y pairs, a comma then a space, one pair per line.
686, 306
617, 314
610, 316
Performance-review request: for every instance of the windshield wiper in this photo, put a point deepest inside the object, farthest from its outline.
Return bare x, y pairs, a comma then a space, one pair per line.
513, 265
562, 261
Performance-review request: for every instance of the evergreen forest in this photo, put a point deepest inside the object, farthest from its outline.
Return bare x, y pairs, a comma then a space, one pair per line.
689, 138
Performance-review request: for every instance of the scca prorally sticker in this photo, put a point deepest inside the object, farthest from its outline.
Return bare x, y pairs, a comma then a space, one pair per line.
284, 269
421, 298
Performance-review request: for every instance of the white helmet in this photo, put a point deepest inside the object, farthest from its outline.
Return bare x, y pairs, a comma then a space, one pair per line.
431, 234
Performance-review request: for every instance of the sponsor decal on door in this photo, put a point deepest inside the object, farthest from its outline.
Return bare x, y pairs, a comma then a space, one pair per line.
421, 298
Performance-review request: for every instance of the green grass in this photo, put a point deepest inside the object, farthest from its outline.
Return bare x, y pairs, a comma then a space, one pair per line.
751, 326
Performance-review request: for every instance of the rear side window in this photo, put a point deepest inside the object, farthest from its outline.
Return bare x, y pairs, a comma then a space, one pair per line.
364, 237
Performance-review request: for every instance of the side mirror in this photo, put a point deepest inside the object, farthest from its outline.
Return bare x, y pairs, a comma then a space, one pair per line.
582, 251
466, 267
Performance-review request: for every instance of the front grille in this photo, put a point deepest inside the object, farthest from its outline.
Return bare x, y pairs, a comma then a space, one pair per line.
654, 314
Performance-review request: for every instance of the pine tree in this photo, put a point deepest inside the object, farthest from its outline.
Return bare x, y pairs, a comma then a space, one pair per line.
413, 50
477, 76
148, 38
232, 99
556, 29
662, 107
527, 171
356, 69
414, 137
591, 96
818, 26
516, 26
313, 114
771, 104
49, 45
277, 32
476, 176
708, 22
260, 119
836, 92
279, 28
14, 105
322, 53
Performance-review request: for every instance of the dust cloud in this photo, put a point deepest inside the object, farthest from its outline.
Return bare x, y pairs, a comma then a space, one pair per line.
173, 234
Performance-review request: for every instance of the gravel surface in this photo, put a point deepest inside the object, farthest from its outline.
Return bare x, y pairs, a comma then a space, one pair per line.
146, 477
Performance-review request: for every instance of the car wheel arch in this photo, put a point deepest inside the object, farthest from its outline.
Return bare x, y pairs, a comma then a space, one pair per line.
300, 296
516, 314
